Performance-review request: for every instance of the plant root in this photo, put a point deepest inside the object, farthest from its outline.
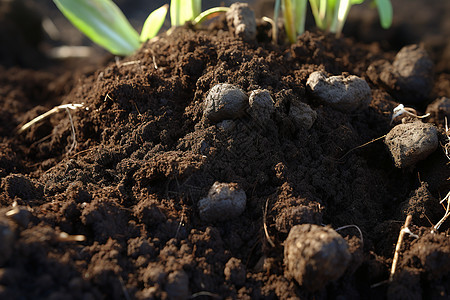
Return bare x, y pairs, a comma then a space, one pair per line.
404, 230
67, 108
266, 231
354, 226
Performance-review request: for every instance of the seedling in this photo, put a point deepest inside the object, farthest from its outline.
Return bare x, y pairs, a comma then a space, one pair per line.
329, 15
182, 11
106, 25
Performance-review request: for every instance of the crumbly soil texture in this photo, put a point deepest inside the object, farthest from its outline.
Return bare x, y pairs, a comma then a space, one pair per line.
114, 214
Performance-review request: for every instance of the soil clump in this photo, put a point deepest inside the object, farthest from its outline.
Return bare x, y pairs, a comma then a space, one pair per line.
120, 216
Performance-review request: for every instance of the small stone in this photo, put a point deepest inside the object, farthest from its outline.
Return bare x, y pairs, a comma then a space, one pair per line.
241, 20
261, 105
224, 102
409, 78
411, 142
235, 272
315, 255
342, 93
438, 110
224, 201
302, 115
415, 73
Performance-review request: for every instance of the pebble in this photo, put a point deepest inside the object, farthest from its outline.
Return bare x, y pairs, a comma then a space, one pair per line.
342, 93
241, 20
414, 70
411, 142
224, 201
260, 106
225, 102
315, 255
409, 78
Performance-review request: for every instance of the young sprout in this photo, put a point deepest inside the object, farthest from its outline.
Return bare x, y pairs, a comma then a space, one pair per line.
329, 15
294, 12
182, 11
343, 7
105, 24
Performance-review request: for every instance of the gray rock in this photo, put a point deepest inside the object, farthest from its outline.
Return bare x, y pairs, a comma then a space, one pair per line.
241, 20
302, 115
342, 93
315, 255
260, 106
411, 142
224, 102
409, 78
224, 201
414, 70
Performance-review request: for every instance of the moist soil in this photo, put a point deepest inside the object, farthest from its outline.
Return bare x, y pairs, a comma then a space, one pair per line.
115, 215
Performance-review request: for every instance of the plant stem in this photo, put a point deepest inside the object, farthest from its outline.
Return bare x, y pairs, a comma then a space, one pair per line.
207, 13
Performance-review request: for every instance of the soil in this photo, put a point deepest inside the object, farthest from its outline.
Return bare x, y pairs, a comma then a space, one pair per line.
117, 217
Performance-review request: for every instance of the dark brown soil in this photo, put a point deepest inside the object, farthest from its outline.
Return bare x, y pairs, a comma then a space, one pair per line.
145, 156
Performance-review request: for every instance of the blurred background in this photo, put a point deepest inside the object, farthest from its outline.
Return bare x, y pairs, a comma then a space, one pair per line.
41, 25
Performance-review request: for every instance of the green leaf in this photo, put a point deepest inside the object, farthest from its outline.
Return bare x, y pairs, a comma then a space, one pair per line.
385, 12
300, 15
183, 10
352, 2
103, 22
154, 23
289, 23
196, 7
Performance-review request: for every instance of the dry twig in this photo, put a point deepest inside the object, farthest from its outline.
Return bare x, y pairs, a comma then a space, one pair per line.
398, 246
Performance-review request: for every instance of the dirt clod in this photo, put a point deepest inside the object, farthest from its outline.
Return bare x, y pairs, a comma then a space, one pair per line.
177, 286
302, 115
235, 271
410, 77
411, 142
225, 101
342, 93
315, 255
224, 201
260, 106
17, 185
439, 109
241, 21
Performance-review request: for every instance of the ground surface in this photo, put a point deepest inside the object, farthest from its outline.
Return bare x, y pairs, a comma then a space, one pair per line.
145, 156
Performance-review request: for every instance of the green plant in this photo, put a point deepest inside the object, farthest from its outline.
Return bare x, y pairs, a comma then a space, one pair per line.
329, 15
182, 11
105, 24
